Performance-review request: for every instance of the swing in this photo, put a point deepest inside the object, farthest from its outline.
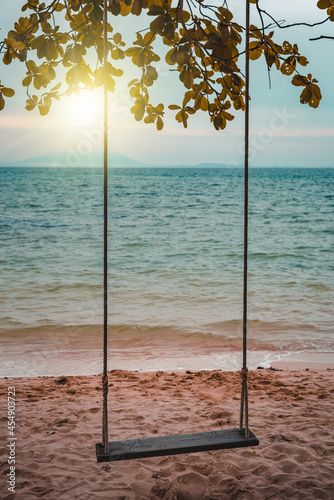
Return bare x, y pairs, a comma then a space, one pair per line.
184, 443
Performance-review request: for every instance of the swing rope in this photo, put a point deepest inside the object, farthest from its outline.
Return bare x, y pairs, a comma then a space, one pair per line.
244, 372
105, 440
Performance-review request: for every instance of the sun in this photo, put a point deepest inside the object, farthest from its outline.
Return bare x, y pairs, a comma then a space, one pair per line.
85, 109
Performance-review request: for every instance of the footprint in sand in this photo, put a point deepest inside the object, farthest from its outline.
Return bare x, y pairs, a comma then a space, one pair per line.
191, 486
94, 410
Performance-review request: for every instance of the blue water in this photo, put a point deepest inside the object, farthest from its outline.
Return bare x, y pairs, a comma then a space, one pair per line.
175, 250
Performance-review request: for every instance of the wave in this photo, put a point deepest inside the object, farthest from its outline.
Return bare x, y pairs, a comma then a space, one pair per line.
228, 336
52, 350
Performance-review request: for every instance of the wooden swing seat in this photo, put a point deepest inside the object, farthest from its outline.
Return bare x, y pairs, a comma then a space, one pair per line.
175, 445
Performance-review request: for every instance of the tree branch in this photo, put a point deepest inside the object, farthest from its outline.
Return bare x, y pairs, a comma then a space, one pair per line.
280, 25
322, 37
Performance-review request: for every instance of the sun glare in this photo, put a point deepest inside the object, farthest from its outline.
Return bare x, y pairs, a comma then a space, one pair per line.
86, 108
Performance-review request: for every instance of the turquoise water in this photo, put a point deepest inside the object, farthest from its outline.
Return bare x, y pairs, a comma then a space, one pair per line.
175, 251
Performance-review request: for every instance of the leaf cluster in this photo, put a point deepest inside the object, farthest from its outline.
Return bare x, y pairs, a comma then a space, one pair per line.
4, 92
327, 5
203, 44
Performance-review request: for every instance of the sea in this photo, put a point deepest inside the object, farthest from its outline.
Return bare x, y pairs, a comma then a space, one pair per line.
175, 261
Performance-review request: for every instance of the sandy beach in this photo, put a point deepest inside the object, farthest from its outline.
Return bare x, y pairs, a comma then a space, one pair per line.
58, 422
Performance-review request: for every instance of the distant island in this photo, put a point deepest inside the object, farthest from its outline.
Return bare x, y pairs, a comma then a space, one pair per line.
94, 159
76, 159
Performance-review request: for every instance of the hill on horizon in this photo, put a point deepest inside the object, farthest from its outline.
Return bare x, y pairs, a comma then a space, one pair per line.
94, 159
76, 159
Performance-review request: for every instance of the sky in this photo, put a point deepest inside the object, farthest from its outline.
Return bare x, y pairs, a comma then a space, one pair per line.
283, 131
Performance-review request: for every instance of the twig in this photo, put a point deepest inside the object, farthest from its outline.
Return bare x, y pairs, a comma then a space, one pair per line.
322, 37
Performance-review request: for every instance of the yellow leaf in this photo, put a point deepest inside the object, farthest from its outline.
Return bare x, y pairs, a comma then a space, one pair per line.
16, 44
57, 87
186, 77
43, 110
302, 61
171, 56
160, 123
117, 38
184, 117
136, 7
299, 80
225, 14
204, 103
139, 113
324, 4
7, 92
255, 50
7, 58
31, 65
99, 77
111, 84
306, 95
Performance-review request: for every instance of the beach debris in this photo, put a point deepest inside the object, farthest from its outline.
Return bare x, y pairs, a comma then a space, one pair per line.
106, 468
62, 380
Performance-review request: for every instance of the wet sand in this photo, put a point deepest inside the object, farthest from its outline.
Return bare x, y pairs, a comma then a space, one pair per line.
77, 350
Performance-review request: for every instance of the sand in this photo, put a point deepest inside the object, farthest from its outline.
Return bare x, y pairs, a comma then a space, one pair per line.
58, 422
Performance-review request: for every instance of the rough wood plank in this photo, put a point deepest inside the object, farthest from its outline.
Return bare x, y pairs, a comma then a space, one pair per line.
174, 445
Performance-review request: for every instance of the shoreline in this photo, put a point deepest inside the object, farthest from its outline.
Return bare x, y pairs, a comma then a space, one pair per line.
57, 351
76, 364
279, 366
60, 421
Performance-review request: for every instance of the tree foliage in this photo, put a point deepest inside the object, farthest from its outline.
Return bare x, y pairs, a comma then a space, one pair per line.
203, 43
